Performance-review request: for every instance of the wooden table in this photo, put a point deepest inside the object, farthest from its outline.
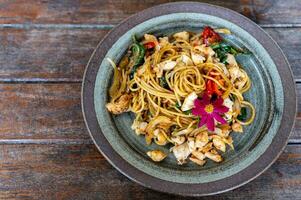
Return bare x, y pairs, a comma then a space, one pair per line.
45, 149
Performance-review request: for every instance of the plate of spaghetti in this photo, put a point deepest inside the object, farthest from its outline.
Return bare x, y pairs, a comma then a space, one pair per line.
189, 98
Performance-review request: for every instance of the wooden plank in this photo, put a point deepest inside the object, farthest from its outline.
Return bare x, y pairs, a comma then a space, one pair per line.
108, 12
61, 55
51, 113
79, 171
41, 111
289, 41
46, 54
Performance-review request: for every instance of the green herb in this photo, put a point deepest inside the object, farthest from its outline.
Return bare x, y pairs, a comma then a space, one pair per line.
164, 83
187, 112
138, 52
243, 114
223, 48
215, 46
178, 105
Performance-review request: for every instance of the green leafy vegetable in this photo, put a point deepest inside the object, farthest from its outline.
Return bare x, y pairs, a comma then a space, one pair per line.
138, 52
243, 114
163, 82
223, 48
187, 112
178, 105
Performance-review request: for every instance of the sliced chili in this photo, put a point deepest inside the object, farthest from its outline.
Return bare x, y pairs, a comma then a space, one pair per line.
210, 36
149, 45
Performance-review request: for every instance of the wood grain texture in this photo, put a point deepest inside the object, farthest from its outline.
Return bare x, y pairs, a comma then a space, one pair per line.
111, 12
80, 172
44, 112
61, 55
41, 111
51, 54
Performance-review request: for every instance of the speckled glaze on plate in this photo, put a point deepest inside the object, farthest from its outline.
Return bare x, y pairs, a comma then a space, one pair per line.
272, 93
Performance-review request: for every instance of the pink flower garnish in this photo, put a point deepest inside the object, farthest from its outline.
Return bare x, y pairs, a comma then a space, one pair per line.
209, 111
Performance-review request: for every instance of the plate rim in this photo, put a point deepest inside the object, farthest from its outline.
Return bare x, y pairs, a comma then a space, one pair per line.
248, 174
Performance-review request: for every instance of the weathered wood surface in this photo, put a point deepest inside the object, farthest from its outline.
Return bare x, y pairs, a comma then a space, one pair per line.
111, 12
38, 112
41, 111
80, 172
25, 53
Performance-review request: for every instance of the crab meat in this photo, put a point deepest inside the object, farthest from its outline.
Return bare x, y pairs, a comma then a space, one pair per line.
189, 101
201, 139
121, 105
160, 138
214, 157
156, 155
163, 41
197, 161
183, 132
178, 139
228, 103
139, 127
191, 144
224, 68
203, 49
231, 60
181, 152
197, 58
164, 66
185, 59
184, 35
157, 122
219, 144
198, 155
237, 127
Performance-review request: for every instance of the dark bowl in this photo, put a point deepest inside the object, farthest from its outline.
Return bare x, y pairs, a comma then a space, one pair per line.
272, 93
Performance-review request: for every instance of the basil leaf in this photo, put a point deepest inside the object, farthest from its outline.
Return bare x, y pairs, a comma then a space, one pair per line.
163, 82
243, 114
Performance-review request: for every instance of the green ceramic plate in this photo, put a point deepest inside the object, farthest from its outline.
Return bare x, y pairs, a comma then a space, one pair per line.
272, 93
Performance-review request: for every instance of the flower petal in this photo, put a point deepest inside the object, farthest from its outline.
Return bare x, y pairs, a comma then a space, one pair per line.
218, 102
199, 112
198, 103
203, 121
205, 99
210, 123
221, 109
219, 118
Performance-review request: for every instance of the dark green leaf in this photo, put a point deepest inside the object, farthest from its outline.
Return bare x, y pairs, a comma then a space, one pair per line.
178, 105
187, 112
163, 82
138, 52
215, 46
243, 114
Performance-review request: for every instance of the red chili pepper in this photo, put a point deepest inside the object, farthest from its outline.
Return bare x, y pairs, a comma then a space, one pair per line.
212, 88
149, 45
209, 87
210, 36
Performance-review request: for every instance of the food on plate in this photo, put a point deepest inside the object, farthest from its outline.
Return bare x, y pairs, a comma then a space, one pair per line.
186, 91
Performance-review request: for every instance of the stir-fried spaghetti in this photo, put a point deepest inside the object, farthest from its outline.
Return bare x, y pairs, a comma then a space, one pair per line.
186, 90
